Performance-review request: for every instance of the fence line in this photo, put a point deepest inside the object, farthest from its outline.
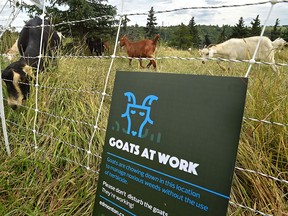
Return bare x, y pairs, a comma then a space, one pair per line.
89, 124
265, 121
37, 77
261, 174
104, 89
39, 149
272, 2
4, 6
104, 94
99, 156
163, 58
12, 17
248, 208
54, 138
252, 61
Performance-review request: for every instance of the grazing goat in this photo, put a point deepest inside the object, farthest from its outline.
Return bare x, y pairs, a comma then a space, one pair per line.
140, 49
18, 74
279, 44
95, 45
56, 42
242, 49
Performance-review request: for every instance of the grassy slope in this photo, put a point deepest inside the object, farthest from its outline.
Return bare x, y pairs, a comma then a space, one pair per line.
42, 183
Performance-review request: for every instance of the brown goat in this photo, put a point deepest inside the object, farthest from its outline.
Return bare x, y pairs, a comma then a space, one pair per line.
140, 49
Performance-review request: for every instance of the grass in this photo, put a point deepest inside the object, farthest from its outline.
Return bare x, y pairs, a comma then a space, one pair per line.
53, 180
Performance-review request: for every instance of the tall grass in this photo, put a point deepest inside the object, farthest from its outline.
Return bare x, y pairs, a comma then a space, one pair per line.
53, 180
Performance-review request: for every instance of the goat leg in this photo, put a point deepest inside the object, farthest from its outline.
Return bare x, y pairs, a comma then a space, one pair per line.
153, 63
140, 60
149, 64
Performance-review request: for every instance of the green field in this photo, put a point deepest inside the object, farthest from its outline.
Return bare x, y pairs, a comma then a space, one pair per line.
53, 179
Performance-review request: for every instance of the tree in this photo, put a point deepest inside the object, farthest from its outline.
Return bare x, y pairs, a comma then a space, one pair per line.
223, 37
256, 28
80, 10
284, 34
150, 29
194, 33
207, 40
125, 20
239, 30
276, 31
181, 38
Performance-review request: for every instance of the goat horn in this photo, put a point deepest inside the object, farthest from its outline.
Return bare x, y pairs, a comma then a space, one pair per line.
210, 45
149, 99
131, 97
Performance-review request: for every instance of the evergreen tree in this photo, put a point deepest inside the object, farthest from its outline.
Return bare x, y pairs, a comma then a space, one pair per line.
150, 29
256, 28
181, 37
222, 37
276, 31
284, 34
207, 41
194, 33
239, 30
125, 20
79, 10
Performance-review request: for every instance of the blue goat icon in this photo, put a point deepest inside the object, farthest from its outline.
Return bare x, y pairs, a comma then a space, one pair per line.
142, 112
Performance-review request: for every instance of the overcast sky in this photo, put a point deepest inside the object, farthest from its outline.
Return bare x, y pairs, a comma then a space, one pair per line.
219, 16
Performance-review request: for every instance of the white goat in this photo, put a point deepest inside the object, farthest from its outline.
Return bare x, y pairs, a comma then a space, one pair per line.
279, 44
242, 49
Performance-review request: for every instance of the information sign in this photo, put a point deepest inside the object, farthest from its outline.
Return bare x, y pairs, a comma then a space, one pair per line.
171, 145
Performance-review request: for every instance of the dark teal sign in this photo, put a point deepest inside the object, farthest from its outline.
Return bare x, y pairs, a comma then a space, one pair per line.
171, 145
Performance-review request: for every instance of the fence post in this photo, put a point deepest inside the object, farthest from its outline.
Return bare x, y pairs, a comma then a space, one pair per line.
2, 115
13, 15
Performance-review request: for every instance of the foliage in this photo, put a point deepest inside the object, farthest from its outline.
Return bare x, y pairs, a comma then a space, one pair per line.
239, 30
284, 34
102, 13
276, 31
207, 41
7, 40
124, 23
194, 33
151, 29
255, 27
50, 180
46, 181
223, 35
182, 38
197, 35
135, 32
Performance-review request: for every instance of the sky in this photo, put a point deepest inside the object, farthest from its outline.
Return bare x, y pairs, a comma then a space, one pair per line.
221, 16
